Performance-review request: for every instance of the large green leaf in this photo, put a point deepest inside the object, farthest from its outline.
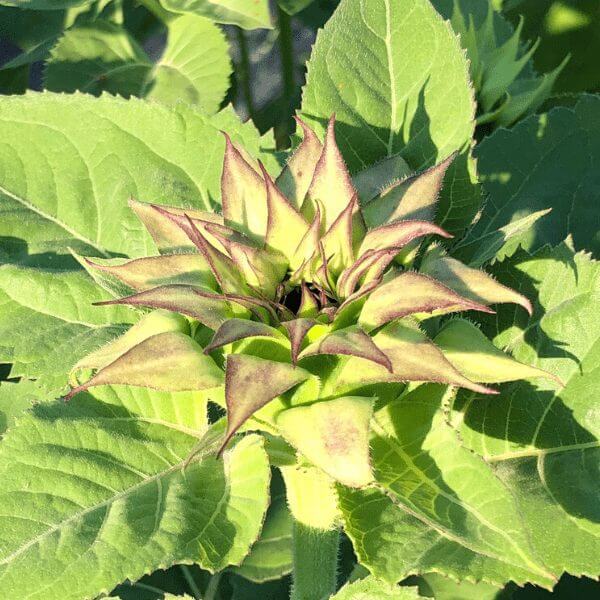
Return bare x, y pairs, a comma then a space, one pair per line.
440, 508
102, 56
92, 154
70, 189
15, 398
397, 79
249, 14
271, 555
546, 161
47, 322
542, 442
98, 491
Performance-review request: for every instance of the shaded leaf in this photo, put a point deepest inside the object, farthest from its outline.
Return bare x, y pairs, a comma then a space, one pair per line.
271, 555
556, 167
542, 440
102, 56
443, 509
386, 105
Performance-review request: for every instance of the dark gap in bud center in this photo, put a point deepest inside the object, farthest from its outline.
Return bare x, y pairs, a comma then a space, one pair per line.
292, 300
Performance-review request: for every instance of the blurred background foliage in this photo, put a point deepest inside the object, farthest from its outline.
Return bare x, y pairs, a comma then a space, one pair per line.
209, 55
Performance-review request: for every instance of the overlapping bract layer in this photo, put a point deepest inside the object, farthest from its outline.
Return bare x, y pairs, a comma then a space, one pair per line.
304, 291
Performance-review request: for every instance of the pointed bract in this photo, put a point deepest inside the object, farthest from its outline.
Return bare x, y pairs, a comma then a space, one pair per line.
252, 382
343, 237
243, 194
334, 436
470, 351
307, 249
170, 362
309, 307
234, 330
209, 308
285, 225
398, 234
158, 321
415, 198
351, 341
413, 358
369, 267
152, 271
160, 223
296, 176
222, 266
331, 183
410, 293
471, 283
297, 330
263, 270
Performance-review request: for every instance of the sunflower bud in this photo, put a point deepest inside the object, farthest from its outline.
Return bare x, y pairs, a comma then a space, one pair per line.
297, 306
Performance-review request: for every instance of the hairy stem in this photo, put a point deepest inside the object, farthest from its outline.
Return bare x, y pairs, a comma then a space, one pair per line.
315, 562
286, 50
243, 71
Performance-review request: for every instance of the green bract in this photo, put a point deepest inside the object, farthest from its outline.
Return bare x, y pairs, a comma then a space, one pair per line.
303, 298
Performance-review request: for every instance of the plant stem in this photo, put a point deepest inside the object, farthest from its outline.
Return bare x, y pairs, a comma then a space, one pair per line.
191, 583
315, 562
243, 71
286, 51
212, 588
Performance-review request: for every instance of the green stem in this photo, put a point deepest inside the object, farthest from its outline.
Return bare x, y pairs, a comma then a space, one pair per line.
212, 588
243, 71
315, 562
191, 583
286, 51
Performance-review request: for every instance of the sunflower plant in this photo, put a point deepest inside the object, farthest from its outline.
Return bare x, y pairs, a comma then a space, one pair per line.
354, 356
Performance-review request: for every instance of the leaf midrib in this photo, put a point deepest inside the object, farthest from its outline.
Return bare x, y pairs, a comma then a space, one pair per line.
55, 220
